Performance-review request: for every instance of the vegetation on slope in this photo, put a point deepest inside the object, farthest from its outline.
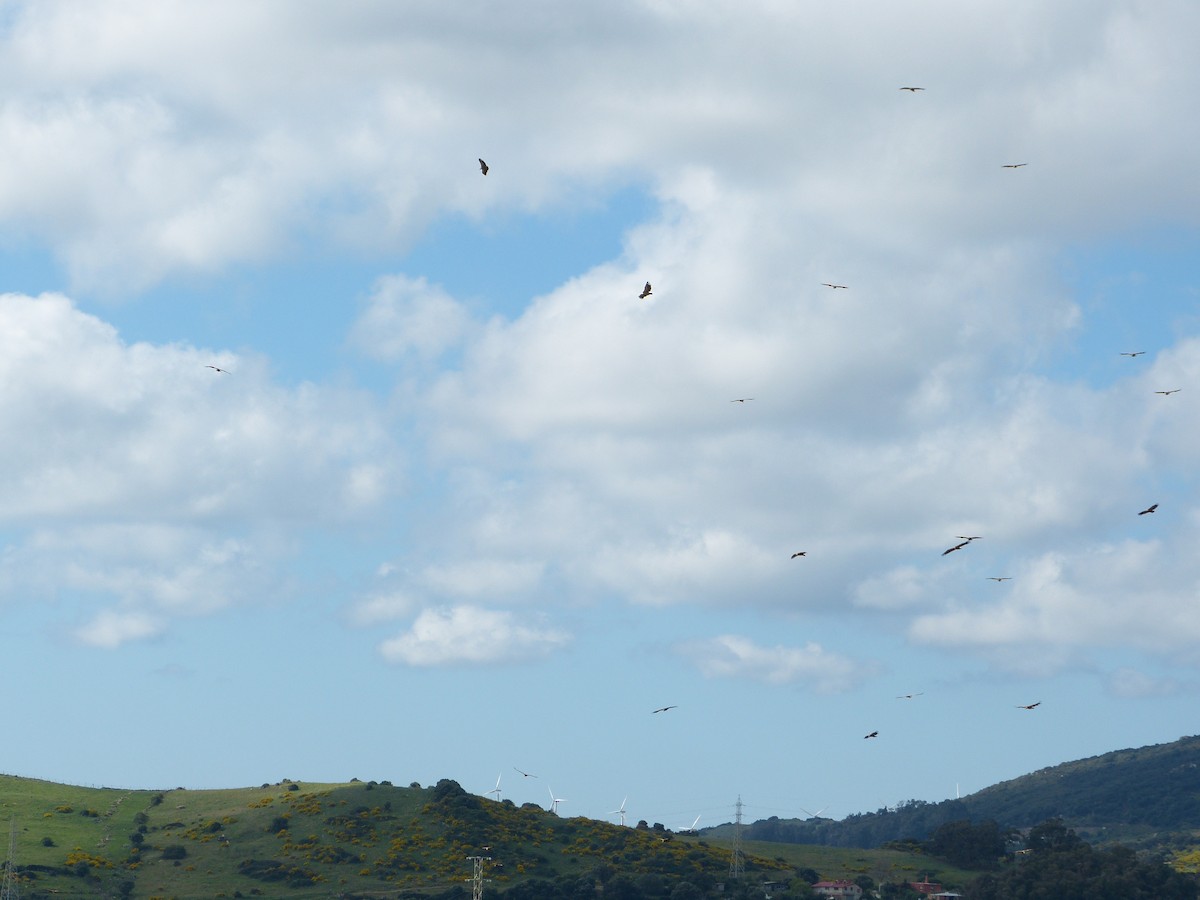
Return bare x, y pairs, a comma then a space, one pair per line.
1058, 863
290, 839
1147, 797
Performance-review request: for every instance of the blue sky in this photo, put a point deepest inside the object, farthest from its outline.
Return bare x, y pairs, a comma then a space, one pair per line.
463, 503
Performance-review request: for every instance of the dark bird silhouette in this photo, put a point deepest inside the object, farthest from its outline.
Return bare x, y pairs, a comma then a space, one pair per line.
999, 578
645, 292
871, 735
910, 696
741, 399
955, 547
835, 286
662, 709
913, 89
1149, 509
526, 774
1134, 353
1031, 705
216, 369
969, 537
1014, 165
799, 553
1170, 392
483, 167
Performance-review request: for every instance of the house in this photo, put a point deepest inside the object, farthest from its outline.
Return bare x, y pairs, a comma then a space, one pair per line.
926, 887
841, 890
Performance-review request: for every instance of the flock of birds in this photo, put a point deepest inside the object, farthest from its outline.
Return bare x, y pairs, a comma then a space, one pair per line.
963, 540
966, 539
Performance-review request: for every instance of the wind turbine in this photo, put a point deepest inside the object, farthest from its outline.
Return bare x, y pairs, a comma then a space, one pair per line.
554, 801
496, 789
814, 815
691, 829
617, 812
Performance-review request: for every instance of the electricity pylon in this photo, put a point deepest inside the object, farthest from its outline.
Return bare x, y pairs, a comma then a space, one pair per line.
737, 865
8, 888
477, 877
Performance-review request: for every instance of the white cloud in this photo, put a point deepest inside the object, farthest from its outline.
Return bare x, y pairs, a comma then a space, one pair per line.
383, 605
144, 476
590, 437
733, 656
408, 316
1134, 594
148, 430
470, 635
111, 628
133, 156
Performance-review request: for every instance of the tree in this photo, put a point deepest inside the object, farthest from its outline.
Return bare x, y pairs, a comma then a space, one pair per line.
897, 891
867, 883
622, 887
1052, 835
968, 846
1062, 865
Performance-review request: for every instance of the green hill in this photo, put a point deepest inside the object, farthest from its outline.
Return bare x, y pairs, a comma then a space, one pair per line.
291, 839
359, 840
1147, 797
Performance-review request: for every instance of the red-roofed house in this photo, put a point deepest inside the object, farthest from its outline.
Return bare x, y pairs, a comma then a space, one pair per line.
926, 886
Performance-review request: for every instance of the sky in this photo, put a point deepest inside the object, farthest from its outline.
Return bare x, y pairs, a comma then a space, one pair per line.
329, 456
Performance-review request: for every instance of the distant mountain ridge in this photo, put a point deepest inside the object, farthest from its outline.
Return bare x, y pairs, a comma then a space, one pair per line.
1138, 796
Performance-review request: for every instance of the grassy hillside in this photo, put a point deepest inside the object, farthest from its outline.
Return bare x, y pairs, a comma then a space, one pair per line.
291, 840
377, 840
360, 840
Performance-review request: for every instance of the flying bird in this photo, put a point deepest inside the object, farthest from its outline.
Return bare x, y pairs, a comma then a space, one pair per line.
910, 696
1149, 509
913, 89
969, 537
645, 292
483, 167
216, 369
835, 286
741, 399
526, 774
1170, 392
999, 578
1014, 165
799, 553
871, 735
1133, 354
662, 709
1031, 705
955, 547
